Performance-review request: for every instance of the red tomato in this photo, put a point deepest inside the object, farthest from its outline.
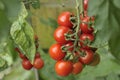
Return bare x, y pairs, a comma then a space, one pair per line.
36, 37
17, 49
63, 68
96, 60
89, 37
85, 5
22, 56
77, 67
84, 46
64, 19
59, 34
88, 57
84, 26
56, 52
37, 55
38, 63
69, 44
85, 29
26, 64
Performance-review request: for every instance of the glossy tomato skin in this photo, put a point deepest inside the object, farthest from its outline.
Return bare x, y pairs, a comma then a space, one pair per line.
85, 5
59, 34
77, 68
63, 68
38, 63
26, 64
88, 57
84, 26
96, 60
64, 19
56, 52
84, 37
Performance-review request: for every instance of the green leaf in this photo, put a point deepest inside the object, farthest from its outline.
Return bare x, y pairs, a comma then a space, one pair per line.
22, 34
3, 64
112, 76
12, 8
107, 24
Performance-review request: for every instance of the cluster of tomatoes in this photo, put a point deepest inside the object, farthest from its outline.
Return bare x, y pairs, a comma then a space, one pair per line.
38, 62
72, 50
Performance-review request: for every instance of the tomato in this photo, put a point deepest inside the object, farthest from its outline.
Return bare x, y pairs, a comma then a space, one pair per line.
84, 46
93, 18
96, 60
84, 37
64, 19
37, 55
63, 68
56, 52
59, 34
36, 37
26, 64
84, 25
17, 49
69, 44
85, 28
38, 63
88, 57
85, 5
77, 67
22, 56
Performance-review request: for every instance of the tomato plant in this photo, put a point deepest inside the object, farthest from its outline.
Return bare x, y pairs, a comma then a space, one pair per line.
87, 57
38, 63
56, 52
64, 19
29, 25
77, 67
59, 34
63, 68
26, 64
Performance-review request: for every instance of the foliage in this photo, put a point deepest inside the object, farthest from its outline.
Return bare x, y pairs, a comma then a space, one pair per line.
16, 31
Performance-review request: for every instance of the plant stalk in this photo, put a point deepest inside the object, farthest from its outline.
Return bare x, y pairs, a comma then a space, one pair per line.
36, 74
79, 8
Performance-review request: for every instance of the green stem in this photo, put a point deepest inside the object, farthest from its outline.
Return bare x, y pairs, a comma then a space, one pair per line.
79, 10
36, 74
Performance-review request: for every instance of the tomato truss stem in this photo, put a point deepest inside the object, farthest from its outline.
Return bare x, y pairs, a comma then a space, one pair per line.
79, 8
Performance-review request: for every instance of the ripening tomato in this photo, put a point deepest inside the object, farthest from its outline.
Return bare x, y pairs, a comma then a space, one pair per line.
22, 56
37, 55
85, 5
59, 34
38, 63
84, 37
64, 19
96, 60
87, 57
26, 64
56, 52
63, 68
77, 67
